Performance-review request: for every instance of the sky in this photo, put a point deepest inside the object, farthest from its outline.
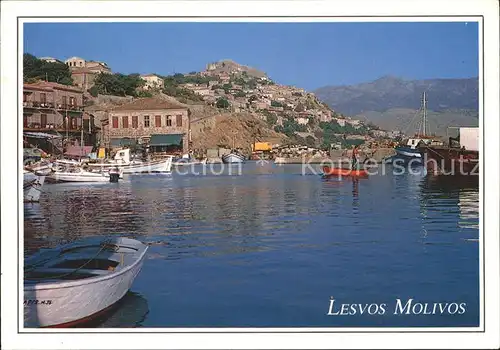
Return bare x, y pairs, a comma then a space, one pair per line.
306, 55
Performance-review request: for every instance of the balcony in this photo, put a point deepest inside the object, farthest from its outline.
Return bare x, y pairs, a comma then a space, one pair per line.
53, 127
71, 108
38, 105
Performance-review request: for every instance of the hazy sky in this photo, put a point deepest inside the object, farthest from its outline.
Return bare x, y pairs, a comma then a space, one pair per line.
308, 55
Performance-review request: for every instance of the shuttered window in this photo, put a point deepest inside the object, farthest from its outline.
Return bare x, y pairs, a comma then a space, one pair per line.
115, 122
158, 121
125, 122
135, 122
178, 121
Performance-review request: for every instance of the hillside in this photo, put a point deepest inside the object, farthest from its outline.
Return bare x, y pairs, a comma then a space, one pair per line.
392, 102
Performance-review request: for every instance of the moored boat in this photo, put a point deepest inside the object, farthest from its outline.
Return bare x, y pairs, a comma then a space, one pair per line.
330, 171
78, 174
233, 158
460, 159
73, 284
410, 152
122, 161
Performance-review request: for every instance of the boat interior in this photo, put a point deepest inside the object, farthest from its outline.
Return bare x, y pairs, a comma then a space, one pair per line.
79, 262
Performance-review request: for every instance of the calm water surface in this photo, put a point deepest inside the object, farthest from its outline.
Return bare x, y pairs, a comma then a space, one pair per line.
270, 247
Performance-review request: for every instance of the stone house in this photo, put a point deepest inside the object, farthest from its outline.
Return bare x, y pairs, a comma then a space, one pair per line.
152, 81
52, 106
302, 120
85, 72
54, 109
163, 125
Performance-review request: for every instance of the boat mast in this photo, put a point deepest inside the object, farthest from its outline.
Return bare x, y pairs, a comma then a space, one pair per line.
425, 114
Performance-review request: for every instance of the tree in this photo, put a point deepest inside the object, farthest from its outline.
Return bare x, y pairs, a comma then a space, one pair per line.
35, 69
222, 103
271, 119
276, 104
310, 141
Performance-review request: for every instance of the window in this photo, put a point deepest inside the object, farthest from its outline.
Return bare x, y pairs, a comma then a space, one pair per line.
64, 102
178, 121
146, 121
115, 122
71, 101
25, 97
135, 122
43, 120
43, 97
125, 121
169, 120
158, 121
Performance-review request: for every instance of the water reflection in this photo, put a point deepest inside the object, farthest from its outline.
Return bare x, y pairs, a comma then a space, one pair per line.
131, 312
450, 204
246, 241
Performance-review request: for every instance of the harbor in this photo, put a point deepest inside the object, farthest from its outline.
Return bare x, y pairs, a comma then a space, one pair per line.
302, 186
226, 241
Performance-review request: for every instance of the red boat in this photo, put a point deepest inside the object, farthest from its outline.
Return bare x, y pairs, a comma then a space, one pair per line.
328, 171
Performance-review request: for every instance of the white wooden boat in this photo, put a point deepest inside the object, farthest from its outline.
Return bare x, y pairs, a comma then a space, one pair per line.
76, 283
77, 174
32, 186
233, 158
123, 162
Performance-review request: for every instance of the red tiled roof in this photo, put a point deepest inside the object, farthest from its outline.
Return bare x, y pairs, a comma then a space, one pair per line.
150, 103
49, 86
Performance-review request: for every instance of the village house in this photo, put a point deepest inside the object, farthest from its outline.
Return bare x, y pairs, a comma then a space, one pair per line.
203, 91
302, 120
50, 59
152, 81
53, 109
85, 72
161, 124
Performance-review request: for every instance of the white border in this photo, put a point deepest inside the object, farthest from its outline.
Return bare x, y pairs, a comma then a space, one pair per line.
489, 9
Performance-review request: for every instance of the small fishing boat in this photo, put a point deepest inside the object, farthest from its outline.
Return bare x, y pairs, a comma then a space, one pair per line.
78, 174
76, 283
410, 152
329, 171
233, 158
123, 162
32, 186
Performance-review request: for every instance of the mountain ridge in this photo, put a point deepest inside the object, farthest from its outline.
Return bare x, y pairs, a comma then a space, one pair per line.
450, 101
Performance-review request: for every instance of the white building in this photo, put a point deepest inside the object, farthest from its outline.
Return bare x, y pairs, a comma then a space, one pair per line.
152, 81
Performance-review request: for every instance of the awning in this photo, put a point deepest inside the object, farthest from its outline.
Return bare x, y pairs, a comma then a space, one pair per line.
122, 142
166, 140
78, 151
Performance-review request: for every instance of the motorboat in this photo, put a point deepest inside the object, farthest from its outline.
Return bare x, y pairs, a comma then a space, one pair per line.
73, 284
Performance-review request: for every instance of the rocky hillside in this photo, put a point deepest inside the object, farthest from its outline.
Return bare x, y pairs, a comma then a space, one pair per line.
229, 67
392, 102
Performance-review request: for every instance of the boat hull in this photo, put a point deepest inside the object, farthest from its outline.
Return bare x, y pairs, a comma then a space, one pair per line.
328, 171
139, 168
70, 303
451, 161
79, 177
232, 158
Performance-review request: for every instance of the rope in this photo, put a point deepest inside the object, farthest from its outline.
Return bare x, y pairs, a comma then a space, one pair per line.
104, 245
